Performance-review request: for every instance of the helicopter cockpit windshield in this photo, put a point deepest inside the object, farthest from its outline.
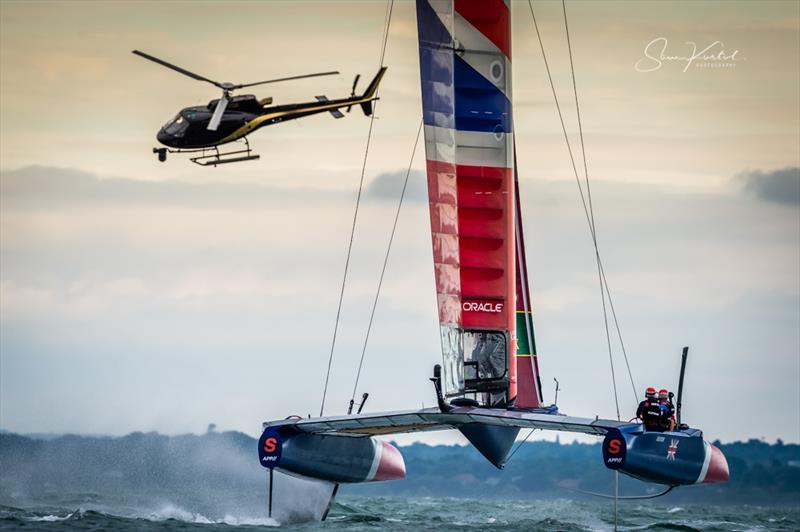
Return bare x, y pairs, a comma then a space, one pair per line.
177, 126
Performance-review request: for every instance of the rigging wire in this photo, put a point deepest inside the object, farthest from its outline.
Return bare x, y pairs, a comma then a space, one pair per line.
592, 224
387, 21
619, 332
616, 500
601, 270
518, 446
625, 497
386, 261
589, 218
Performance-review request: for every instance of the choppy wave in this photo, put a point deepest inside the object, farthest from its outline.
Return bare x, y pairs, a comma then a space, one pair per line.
398, 514
176, 513
168, 517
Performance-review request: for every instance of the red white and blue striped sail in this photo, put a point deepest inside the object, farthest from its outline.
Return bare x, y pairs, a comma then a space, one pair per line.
465, 71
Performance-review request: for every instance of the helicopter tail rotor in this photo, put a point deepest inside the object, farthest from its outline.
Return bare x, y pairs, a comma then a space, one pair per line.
353, 91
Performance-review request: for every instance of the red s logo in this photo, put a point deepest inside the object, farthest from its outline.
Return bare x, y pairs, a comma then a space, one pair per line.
614, 446
270, 444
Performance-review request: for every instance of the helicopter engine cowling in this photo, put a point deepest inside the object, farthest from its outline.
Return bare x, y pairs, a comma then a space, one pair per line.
669, 458
334, 458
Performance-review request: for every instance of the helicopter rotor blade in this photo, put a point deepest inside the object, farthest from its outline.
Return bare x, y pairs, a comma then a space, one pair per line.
222, 104
242, 85
177, 68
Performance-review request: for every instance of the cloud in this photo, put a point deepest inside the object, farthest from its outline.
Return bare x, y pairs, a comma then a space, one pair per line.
198, 292
54, 186
388, 185
777, 186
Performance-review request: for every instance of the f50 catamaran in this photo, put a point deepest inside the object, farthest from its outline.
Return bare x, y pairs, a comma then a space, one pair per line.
488, 386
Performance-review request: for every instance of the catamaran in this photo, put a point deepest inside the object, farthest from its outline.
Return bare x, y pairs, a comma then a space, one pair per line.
488, 386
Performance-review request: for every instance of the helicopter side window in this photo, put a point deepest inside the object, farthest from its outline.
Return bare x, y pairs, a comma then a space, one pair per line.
176, 127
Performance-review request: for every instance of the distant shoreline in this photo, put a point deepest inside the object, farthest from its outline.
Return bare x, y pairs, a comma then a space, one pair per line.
210, 468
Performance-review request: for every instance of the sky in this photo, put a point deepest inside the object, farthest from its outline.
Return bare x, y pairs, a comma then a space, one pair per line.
138, 295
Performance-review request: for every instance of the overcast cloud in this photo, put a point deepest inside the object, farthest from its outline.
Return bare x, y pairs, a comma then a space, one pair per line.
779, 186
130, 304
389, 185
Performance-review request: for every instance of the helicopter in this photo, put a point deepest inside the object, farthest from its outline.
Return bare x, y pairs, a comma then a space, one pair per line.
202, 129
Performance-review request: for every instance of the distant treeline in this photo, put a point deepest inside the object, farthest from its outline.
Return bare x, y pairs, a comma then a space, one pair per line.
760, 474
220, 469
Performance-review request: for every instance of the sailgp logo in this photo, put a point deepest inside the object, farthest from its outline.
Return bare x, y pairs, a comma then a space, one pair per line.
614, 449
672, 449
474, 306
270, 445
269, 448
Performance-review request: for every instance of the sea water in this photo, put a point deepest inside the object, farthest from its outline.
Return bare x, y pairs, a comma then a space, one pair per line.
401, 514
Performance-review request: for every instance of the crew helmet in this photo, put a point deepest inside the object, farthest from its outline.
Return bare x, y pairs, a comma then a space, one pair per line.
663, 394
650, 392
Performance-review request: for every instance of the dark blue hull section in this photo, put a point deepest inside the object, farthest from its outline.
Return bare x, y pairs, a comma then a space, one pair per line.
335, 458
669, 458
493, 442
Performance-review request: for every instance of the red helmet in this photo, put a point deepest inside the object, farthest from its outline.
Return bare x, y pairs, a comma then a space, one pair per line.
663, 394
650, 392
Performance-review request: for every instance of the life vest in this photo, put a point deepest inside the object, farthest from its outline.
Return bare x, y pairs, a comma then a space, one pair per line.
667, 414
653, 415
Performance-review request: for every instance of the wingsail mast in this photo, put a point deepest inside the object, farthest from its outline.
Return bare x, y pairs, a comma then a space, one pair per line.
465, 70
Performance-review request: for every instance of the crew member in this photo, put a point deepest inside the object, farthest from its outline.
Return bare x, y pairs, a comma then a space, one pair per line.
649, 395
489, 352
668, 414
652, 412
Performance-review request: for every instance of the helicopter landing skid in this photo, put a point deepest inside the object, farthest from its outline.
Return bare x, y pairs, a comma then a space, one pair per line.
212, 156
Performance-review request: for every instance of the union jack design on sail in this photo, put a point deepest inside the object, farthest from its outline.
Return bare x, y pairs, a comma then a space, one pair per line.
465, 70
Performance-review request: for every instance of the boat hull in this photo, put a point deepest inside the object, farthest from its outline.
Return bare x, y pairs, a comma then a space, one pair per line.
341, 459
670, 458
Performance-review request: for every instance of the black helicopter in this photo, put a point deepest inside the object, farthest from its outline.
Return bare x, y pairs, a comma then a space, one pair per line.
202, 129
